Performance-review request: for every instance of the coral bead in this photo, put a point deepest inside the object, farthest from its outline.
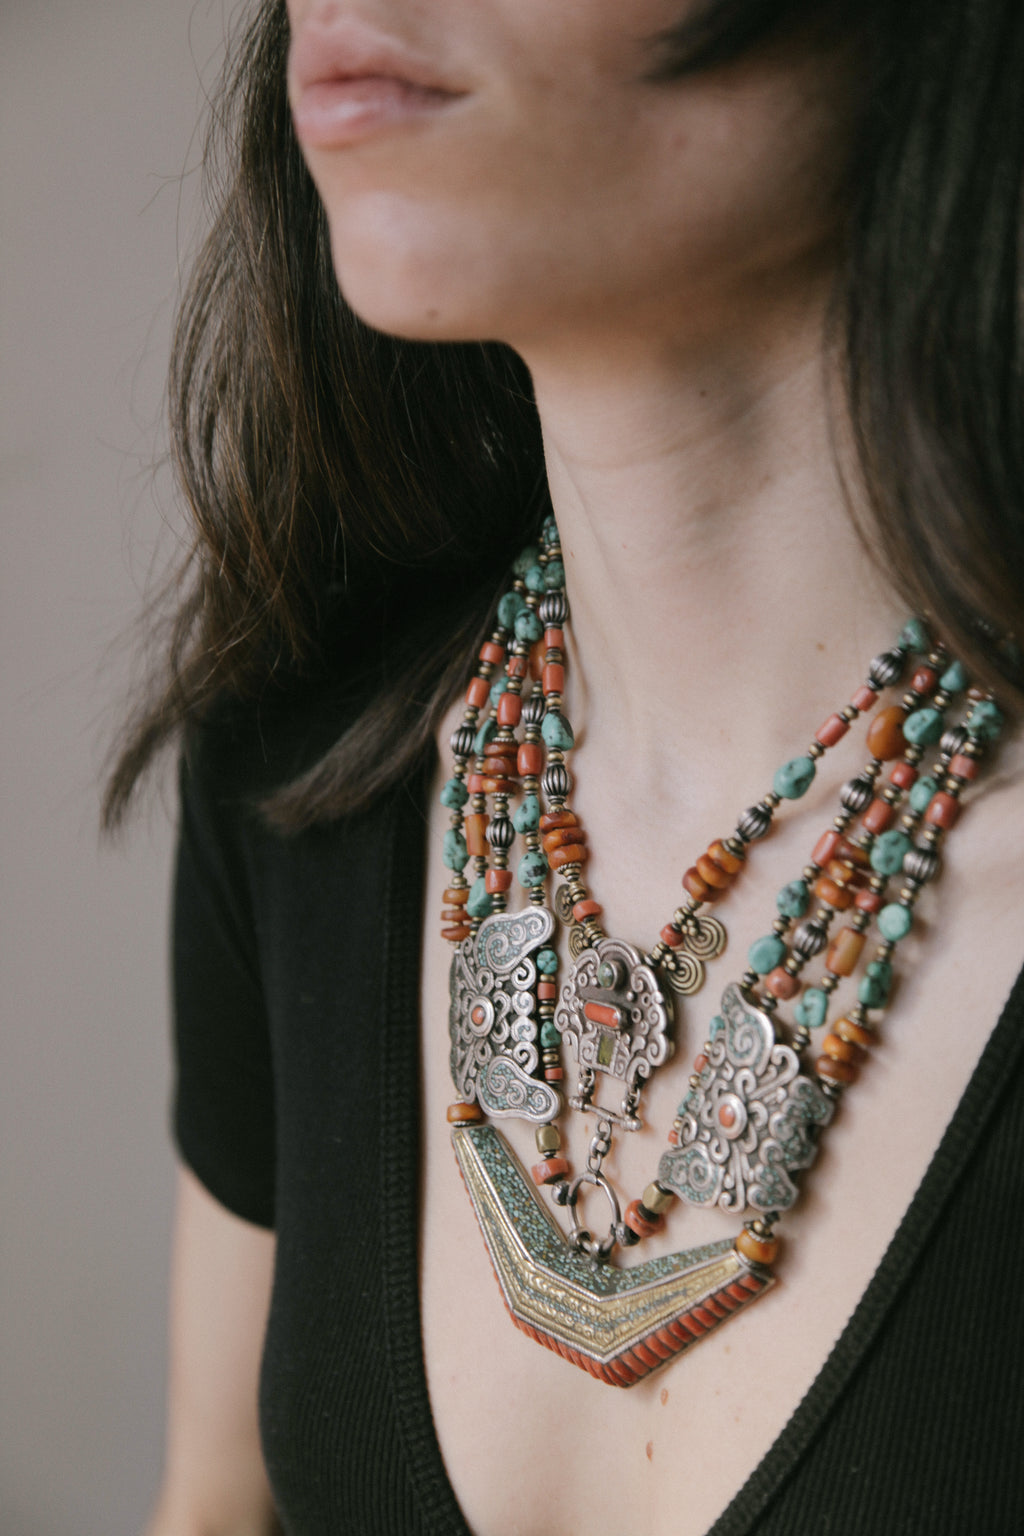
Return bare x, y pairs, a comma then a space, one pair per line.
868, 901
477, 693
554, 639
825, 847
498, 880
885, 734
943, 811
530, 758
510, 707
924, 680
964, 767
550, 1169
877, 816
553, 679
833, 730
641, 1221
904, 776
492, 652
781, 984
584, 909
671, 936
864, 699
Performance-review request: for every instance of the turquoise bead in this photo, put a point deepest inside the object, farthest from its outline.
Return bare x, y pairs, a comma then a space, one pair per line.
810, 1011
528, 626
522, 563
923, 726
557, 732
549, 531
533, 867
794, 778
921, 793
985, 721
794, 899
486, 733
888, 852
480, 903
894, 922
954, 679
454, 795
765, 954
533, 579
547, 961
873, 991
914, 636
509, 608
455, 854
554, 575
549, 1036
526, 818
498, 687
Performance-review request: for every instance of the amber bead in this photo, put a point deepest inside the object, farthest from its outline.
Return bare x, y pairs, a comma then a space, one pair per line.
835, 894
477, 692
964, 767
877, 816
904, 776
711, 874
825, 847
459, 1114
868, 901
759, 1250
719, 854
885, 734
452, 915
474, 783
498, 880
530, 759
456, 935
844, 951
537, 660
854, 1033
574, 853
503, 749
584, 909
641, 1221
942, 811
781, 984
495, 786
671, 936
864, 698
831, 731
854, 854
557, 819
550, 1169
553, 677
699, 889
476, 835
457, 895
559, 837
503, 767
924, 680
841, 1050
510, 707
835, 1071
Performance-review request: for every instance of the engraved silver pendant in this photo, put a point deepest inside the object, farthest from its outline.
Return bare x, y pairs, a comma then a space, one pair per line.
492, 1018
614, 1016
751, 1120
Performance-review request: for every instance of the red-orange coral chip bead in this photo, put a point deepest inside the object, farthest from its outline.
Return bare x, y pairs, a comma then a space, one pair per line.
877, 816
549, 1170
781, 984
642, 1221
942, 811
831, 731
531, 758
477, 692
497, 881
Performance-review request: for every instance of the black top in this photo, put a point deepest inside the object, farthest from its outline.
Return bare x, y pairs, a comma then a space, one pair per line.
297, 1105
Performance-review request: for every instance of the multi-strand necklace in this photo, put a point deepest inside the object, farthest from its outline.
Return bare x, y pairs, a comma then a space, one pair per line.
528, 1041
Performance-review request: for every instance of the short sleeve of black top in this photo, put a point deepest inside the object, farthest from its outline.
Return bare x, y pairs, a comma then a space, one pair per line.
297, 1105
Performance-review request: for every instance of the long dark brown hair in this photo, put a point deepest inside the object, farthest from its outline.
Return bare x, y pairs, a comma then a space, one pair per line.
349, 490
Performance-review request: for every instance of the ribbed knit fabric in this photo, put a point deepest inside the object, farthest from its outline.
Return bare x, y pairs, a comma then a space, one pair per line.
297, 1104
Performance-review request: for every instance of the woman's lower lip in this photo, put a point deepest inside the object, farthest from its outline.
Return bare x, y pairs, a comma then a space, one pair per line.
334, 113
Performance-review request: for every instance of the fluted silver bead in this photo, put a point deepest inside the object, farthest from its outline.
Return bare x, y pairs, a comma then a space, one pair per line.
461, 741
921, 864
953, 740
500, 832
809, 940
533, 708
857, 794
754, 823
556, 781
553, 609
886, 668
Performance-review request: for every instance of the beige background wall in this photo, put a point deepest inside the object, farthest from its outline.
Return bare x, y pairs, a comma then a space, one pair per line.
98, 100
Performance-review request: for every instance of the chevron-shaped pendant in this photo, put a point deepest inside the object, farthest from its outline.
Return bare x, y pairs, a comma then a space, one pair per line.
618, 1324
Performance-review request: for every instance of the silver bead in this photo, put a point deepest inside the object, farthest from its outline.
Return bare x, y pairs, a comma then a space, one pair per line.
553, 610
809, 940
754, 823
857, 794
886, 668
921, 864
556, 781
500, 832
461, 741
953, 740
533, 708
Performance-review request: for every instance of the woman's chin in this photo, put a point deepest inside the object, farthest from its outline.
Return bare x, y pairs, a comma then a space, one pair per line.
417, 295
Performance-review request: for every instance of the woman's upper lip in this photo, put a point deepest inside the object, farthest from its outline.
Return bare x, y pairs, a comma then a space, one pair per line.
344, 49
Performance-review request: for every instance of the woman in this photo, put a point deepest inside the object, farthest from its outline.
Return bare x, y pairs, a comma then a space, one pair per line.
747, 277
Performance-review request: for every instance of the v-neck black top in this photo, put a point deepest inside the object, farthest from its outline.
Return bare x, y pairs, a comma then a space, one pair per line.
297, 1104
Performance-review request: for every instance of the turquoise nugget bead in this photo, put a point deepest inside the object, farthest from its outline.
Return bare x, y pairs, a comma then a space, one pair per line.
954, 678
480, 903
915, 636
456, 854
794, 899
794, 778
557, 732
522, 563
810, 1011
527, 817
533, 580
486, 733
873, 991
532, 868
528, 626
498, 687
894, 922
454, 795
765, 954
549, 531
986, 721
554, 575
923, 726
549, 1036
888, 852
547, 961
510, 607
921, 793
